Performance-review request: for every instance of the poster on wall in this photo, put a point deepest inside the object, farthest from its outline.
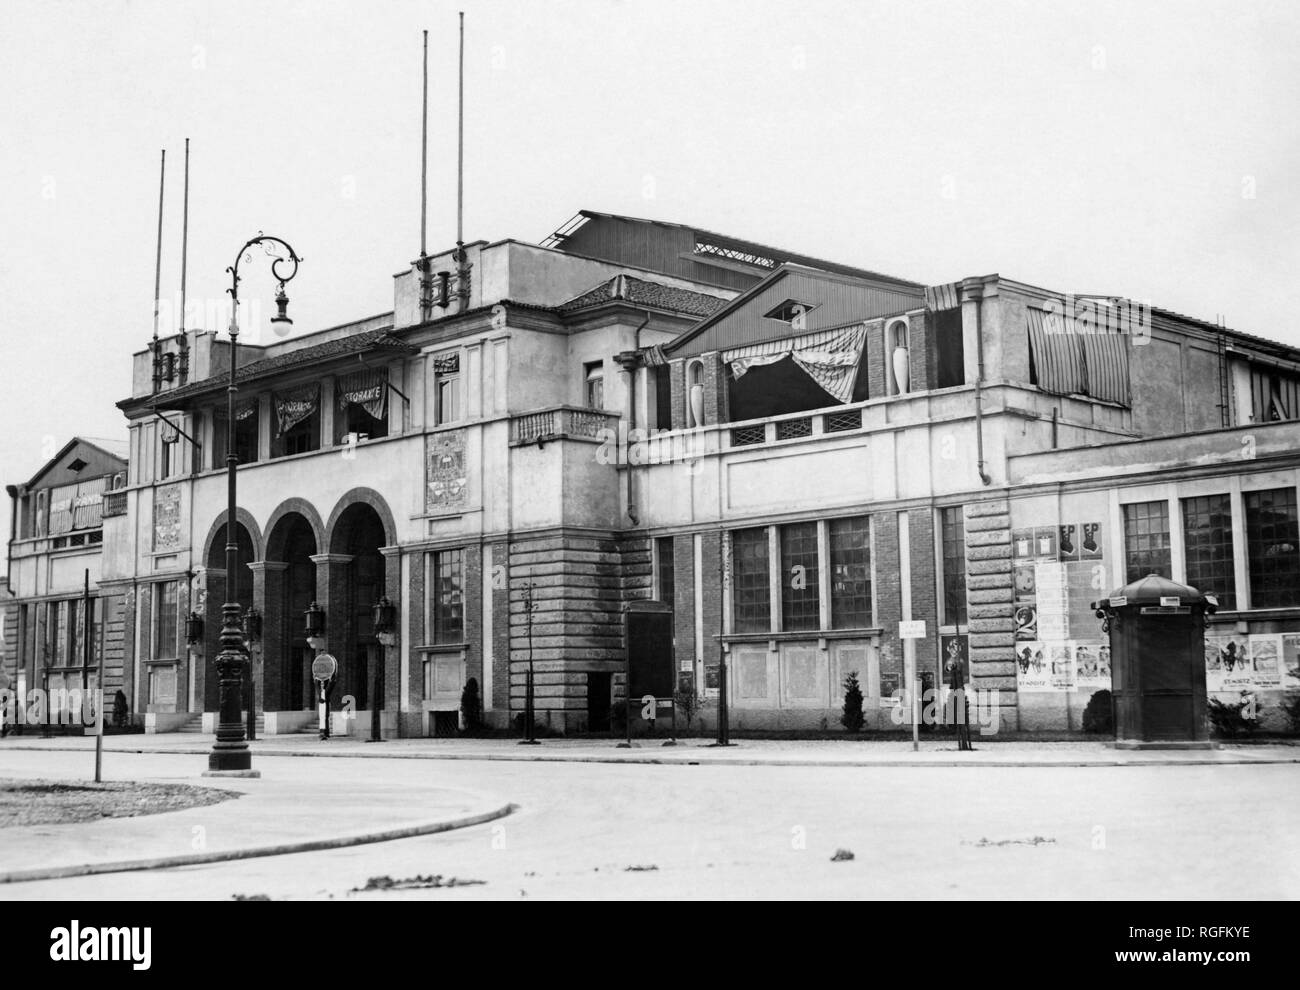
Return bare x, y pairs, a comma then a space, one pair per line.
1026, 616
1032, 672
1227, 663
1022, 543
1290, 661
953, 653
1069, 542
1090, 546
1092, 666
1052, 601
1266, 662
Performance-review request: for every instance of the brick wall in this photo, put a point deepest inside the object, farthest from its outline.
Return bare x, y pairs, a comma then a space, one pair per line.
500, 562
920, 527
875, 358
677, 389
919, 356
888, 590
683, 600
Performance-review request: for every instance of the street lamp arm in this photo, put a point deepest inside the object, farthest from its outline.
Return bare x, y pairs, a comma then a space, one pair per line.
268, 242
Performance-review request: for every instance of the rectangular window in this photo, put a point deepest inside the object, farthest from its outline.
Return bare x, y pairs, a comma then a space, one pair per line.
664, 574
1207, 542
298, 419
751, 593
663, 397
952, 536
170, 455
446, 596
950, 361
1146, 540
595, 385
850, 546
58, 634
1274, 394
362, 405
165, 620
246, 428
799, 580
1273, 548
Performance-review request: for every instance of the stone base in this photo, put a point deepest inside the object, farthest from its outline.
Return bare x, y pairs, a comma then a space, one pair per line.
232, 773
155, 722
1164, 744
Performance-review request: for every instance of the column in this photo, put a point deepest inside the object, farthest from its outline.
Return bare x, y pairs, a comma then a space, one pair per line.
333, 573
972, 291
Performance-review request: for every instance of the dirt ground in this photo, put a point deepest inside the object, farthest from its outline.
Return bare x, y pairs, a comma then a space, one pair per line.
45, 802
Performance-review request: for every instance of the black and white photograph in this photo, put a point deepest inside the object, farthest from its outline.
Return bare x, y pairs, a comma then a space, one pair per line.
653, 453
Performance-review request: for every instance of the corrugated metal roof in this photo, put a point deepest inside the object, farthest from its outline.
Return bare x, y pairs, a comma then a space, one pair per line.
643, 292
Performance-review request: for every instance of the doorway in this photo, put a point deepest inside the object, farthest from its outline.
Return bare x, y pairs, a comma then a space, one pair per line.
599, 689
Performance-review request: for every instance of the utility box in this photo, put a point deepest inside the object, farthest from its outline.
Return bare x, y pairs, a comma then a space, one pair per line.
1157, 652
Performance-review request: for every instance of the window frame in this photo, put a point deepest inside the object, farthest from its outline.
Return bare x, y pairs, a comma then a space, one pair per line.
435, 617
1290, 595
1129, 534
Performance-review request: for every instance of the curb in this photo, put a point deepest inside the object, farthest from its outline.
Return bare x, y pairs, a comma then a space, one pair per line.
309, 845
705, 760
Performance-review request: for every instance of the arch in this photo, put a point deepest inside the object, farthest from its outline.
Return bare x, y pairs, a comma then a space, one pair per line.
275, 533
242, 518
360, 496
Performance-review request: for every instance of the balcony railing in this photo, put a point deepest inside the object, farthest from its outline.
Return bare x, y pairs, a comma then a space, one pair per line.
559, 423
114, 504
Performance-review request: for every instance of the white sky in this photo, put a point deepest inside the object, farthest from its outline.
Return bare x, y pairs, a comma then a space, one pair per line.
1087, 147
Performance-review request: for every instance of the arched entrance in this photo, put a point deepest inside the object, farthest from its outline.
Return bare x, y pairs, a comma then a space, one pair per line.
207, 684
356, 537
290, 589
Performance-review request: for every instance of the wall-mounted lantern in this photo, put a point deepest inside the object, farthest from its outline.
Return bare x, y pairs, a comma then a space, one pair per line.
252, 625
315, 616
385, 619
194, 628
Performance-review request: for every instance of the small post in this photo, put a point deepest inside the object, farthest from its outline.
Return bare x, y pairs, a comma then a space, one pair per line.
724, 728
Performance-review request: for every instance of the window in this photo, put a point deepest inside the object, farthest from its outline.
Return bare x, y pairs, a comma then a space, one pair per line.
949, 356
751, 593
1273, 548
362, 399
1274, 394
791, 311
1146, 540
1207, 542
297, 414
246, 428
446, 387
165, 620
595, 394
664, 574
170, 452
663, 398
446, 599
57, 633
850, 546
952, 538
800, 599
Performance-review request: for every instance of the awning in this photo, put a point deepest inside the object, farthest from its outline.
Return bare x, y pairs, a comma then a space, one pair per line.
940, 297
292, 407
1079, 356
831, 357
367, 389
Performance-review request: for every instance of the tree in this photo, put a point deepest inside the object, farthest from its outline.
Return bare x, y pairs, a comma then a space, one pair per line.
853, 719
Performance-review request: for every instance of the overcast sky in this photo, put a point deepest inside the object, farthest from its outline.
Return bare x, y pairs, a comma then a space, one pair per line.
1143, 149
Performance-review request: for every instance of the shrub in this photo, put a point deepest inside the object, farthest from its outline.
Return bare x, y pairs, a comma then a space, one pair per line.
471, 707
1099, 714
1291, 709
1232, 719
853, 719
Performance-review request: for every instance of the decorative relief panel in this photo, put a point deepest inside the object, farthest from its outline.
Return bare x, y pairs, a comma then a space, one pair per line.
445, 474
167, 518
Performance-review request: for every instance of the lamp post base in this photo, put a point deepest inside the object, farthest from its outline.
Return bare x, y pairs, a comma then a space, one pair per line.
232, 773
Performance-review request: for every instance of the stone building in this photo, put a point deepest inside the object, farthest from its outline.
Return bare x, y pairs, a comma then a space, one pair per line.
796, 454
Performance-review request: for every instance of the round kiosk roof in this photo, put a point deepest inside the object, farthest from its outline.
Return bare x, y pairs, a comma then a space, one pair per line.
1150, 590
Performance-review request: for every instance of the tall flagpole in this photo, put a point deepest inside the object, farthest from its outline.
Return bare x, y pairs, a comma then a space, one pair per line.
462, 263
185, 230
424, 149
157, 269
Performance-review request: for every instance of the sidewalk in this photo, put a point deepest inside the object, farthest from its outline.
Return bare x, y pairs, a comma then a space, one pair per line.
289, 809
763, 752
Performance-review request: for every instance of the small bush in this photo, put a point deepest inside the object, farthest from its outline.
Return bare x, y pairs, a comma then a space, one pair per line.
1099, 714
1291, 709
471, 707
853, 719
1234, 719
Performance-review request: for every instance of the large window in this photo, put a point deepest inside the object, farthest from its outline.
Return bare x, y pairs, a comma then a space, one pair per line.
297, 414
1274, 394
799, 580
751, 592
166, 620
664, 574
850, 545
1146, 540
952, 536
362, 399
446, 596
246, 423
1207, 542
1273, 548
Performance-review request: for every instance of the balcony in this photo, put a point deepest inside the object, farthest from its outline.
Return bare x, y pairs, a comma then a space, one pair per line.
114, 504
559, 423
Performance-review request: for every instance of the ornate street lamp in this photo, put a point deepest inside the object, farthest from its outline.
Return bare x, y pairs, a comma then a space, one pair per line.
230, 753
314, 618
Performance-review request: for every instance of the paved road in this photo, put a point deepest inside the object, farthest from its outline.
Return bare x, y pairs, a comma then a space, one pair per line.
655, 832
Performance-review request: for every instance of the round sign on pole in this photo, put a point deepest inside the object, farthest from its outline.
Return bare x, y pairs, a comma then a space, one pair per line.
324, 667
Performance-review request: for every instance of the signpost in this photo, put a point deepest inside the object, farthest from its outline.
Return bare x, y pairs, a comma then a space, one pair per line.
323, 669
908, 631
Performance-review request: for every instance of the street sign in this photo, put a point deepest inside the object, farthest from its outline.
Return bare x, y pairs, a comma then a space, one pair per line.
911, 629
324, 667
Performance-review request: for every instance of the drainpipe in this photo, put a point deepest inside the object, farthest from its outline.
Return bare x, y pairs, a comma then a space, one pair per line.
972, 291
630, 363
13, 533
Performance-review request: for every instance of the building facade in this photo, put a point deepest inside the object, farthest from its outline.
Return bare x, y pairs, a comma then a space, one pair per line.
795, 454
